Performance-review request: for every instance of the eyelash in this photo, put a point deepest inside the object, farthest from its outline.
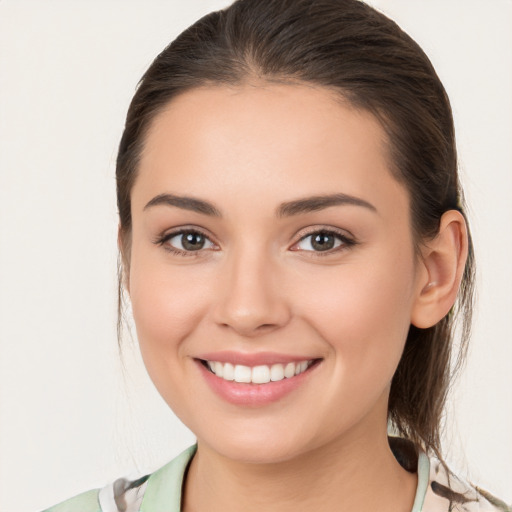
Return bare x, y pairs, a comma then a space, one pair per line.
163, 239
346, 241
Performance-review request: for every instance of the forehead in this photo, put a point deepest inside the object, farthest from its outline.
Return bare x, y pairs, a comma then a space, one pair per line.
270, 140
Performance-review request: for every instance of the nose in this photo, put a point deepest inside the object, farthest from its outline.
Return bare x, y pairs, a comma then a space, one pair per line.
250, 300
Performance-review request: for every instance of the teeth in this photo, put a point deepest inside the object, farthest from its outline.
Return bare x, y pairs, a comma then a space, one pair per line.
218, 369
228, 372
260, 375
257, 374
276, 372
289, 370
242, 373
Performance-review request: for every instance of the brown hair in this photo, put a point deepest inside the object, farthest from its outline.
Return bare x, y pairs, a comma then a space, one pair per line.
351, 48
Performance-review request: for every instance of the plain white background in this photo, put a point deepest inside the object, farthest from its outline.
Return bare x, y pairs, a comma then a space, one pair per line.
70, 417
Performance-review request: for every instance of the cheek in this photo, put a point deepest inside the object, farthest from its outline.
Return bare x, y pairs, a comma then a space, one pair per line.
363, 311
167, 303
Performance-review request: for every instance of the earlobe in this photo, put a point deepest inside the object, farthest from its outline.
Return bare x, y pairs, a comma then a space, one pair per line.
443, 261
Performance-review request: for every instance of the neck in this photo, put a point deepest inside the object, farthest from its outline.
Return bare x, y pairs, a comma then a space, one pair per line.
346, 475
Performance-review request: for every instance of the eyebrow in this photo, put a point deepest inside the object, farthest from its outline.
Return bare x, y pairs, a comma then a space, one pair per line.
185, 203
315, 203
288, 209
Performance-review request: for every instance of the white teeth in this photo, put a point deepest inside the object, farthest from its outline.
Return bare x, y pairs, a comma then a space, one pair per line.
218, 369
258, 374
228, 372
276, 372
289, 370
242, 373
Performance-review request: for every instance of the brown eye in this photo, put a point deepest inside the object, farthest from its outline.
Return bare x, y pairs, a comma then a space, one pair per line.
188, 241
192, 241
322, 241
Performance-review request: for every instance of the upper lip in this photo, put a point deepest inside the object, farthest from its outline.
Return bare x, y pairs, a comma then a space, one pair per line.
254, 358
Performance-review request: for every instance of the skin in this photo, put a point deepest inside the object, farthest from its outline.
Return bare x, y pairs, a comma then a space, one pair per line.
257, 286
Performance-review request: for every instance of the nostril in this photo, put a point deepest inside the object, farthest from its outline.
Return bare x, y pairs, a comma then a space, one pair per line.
265, 327
251, 313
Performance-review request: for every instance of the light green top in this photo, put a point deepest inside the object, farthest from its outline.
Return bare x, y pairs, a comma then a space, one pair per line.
165, 485
162, 491
85, 502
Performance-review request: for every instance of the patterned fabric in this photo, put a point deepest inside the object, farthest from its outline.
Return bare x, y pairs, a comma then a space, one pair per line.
438, 489
448, 493
123, 495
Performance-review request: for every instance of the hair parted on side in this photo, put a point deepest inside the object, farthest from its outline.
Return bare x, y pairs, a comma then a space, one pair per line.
354, 50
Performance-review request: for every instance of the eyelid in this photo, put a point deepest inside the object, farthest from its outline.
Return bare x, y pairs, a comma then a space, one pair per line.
168, 234
325, 228
347, 238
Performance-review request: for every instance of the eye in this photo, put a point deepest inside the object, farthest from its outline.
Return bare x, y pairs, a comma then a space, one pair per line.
186, 241
322, 241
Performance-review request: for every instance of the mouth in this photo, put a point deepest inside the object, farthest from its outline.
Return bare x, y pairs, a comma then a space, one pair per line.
255, 379
260, 374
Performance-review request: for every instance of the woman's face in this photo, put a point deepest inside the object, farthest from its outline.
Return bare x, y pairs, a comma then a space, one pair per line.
268, 231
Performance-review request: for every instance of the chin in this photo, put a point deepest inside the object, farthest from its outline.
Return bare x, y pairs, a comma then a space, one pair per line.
258, 447
257, 453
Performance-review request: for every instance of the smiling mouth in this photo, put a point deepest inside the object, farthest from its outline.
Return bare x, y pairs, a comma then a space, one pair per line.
261, 374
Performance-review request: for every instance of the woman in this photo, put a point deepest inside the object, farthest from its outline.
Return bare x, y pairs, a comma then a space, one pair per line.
295, 250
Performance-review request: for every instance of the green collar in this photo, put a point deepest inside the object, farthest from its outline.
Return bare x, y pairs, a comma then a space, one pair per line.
164, 489
163, 492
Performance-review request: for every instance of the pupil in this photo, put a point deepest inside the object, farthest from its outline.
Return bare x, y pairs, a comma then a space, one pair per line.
322, 242
192, 241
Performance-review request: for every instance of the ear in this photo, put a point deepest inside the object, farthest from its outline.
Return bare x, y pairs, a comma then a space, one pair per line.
442, 265
124, 244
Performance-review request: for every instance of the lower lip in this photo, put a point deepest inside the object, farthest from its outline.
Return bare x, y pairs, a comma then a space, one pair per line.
253, 394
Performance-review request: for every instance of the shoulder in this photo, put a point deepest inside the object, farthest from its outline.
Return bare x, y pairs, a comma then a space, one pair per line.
439, 489
159, 491
447, 492
85, 502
